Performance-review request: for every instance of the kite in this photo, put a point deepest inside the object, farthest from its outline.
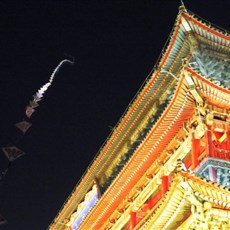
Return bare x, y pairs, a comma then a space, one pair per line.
23, 126
30, 109
11, 151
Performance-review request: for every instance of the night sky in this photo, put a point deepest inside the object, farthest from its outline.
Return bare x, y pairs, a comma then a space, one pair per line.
115, 44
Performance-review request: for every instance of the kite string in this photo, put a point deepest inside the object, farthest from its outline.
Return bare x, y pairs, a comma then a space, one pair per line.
2, 175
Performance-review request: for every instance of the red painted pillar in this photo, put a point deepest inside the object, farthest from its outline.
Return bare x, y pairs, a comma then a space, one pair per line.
133, 218
209, 142
195, 151
164, 185
228, 145
153, 200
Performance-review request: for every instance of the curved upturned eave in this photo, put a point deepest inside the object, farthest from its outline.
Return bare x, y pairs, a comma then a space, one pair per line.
86, 181
207, 30
212, 93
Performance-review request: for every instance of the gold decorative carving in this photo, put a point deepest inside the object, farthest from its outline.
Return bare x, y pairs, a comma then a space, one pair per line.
193, 43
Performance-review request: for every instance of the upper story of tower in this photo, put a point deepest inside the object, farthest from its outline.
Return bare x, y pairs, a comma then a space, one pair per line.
187, 91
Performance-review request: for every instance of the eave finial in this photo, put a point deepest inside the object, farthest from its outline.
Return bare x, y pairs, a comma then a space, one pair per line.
182, 6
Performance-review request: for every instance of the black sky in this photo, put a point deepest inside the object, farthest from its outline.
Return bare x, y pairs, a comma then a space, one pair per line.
116, 44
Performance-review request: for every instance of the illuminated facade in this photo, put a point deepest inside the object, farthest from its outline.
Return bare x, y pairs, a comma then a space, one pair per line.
166, 163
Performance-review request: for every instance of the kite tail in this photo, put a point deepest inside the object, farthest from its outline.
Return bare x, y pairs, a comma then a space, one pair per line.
30, 109
12, 152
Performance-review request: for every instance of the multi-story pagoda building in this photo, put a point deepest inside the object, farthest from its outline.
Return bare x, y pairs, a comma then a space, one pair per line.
166, 164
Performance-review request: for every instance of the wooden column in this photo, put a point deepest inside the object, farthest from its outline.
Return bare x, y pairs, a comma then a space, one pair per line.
164, 185
228, 145
195, 151
153, 200
133, 217
209, 142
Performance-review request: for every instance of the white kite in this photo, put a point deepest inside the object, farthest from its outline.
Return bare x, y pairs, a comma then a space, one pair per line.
39, 94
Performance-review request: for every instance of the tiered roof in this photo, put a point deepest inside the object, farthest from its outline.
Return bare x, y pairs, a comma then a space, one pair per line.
188, 192
191, 69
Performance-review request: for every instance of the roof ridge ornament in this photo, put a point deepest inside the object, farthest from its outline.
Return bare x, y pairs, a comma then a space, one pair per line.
182, 6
